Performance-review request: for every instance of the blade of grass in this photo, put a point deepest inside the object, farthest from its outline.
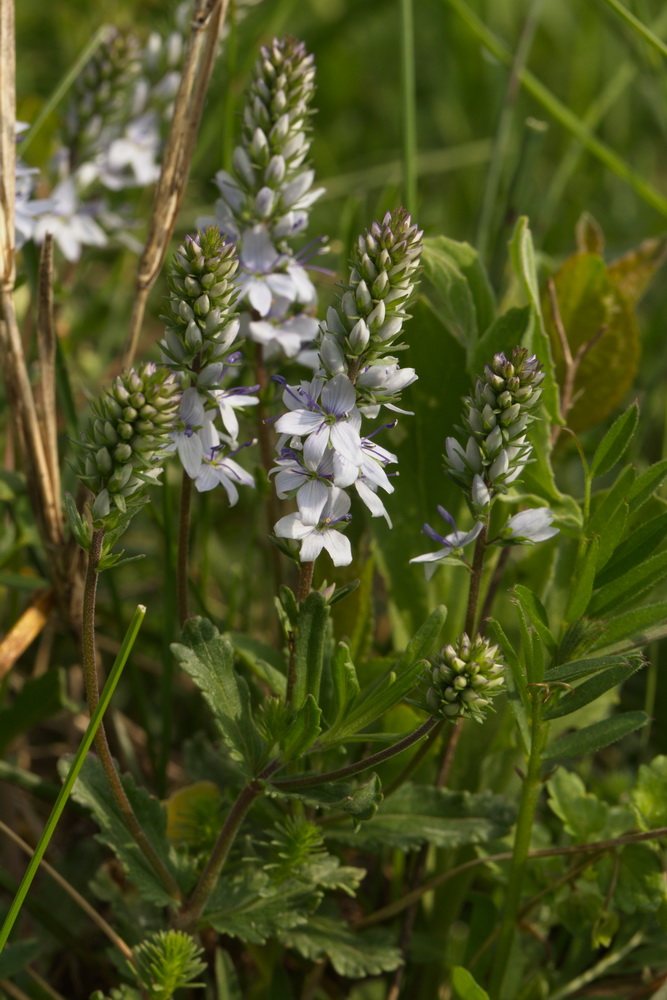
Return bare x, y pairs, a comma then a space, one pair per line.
77, 763
638, 26
562, 114
408, 100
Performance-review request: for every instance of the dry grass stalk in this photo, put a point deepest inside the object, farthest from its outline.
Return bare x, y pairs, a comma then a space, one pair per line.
7, 142
46, 347
25, 630
206, 25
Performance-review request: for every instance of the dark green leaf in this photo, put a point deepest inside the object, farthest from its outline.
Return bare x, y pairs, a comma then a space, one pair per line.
303, 730
516, 681
582, 588
421, 814
38, 699
79, 527
92, 790
643, 542
615, 442
534, 610
591, 689
639, 880
15, 957
465, 985
264, 661
448, 291
310, 637
646, 484
253, 909
208, 658
635, 626
345, 682
595, 737
359, 801
576, 669
352, 954
12, 485
505, 333
630, 586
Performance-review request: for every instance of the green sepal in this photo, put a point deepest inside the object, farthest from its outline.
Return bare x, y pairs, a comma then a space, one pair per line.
613, 445
595, 737
584, 575
595, 686
79, 527
388, 690
309, 647
303, 730
209, 659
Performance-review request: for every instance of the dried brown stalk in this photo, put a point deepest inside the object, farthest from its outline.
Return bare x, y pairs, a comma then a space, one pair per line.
198, 63
46, 347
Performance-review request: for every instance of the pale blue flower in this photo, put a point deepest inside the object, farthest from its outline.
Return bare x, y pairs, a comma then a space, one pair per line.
453, 544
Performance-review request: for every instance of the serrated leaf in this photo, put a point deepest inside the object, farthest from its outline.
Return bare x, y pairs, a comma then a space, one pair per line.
643, 541
465, 985
209, 659
582, 589
584, 816
614, 444
92, 791
421, 814
595, 737
40, 698
394, 686
630, 586
303, 730
649, 796
15, 957
310, 636
591, 689
359, 801
253, 909
636, 626
352, 954
589, 302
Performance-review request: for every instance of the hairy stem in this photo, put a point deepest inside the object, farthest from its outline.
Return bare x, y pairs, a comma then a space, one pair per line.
529, 795
101, 742
475, 580
305, 580
183, 548
194, 907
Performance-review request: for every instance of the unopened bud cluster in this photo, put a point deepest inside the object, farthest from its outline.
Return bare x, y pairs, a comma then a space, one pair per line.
496, 417
464, 677
203, 293
270, 182
369, 316
128, 436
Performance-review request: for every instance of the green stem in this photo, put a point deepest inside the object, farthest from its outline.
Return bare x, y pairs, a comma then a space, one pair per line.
64, 793
194, 907
294, 784
305, 580
529, 795
101, 742
266, 451
408, 105
475, 580
183, 548
638, 25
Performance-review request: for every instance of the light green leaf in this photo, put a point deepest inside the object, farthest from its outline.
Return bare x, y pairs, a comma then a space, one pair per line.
630, 586
448, 292
636, 626
264, 661
466, 986
209, 659
582, 589
344, 681
421, 814
640, 881
593, 688
595, 737
584, 815
642, 543
352, 954
535, 611
309, 645
576, 669
303, 730
649, 797
615, 442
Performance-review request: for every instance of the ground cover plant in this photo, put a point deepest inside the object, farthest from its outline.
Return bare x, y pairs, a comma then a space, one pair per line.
333, 547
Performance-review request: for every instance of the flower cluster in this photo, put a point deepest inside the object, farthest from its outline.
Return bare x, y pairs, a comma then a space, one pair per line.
200, 332
266, 197
322, 450
464, 677
128, 437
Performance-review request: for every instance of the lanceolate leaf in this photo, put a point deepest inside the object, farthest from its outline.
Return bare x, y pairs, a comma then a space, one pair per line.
582, 586
595, 686
643, 542
629, 587
303, 731
309, 644
646, 484
576, 669
615, 442
595, 737
637, 627
466, 986
345, 682
209, 659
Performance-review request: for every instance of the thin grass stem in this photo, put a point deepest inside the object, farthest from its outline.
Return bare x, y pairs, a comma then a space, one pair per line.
408, 104
638, 26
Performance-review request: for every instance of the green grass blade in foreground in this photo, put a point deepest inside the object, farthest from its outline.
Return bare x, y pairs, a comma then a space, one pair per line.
563, 115
64, 85
638, 26
86, 743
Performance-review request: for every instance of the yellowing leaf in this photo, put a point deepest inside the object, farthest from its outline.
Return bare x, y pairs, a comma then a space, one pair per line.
190, 810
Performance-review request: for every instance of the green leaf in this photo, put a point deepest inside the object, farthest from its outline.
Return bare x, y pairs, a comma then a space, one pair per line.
265, 662
208, 658
640, 881
649, 796
582, 589
633, 272
576, 669
12, 485
303, 730
535, 611
595, 737
591, 689
359, 801
615, 442
352, 954
344, 681
227, 985
466, 987
421, 814
609, 509
15, 957
92, 791
516, 681
505, 333
250, 907
643, 542
310, 637
522, 255
448, 291
630, 586
589, 303
646, 484
79, 527
584, 816
635, 626
38, 700
394, 686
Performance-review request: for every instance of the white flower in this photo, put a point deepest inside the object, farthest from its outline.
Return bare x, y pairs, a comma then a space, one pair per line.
217, 469
268, 274
229, 400
325, 534
309, 484
529, 526
131, 159
280, 330
453, 543
67, 219
196, 436
333, 422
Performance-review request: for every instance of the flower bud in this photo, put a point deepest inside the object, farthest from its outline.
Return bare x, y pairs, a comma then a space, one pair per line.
464, 676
